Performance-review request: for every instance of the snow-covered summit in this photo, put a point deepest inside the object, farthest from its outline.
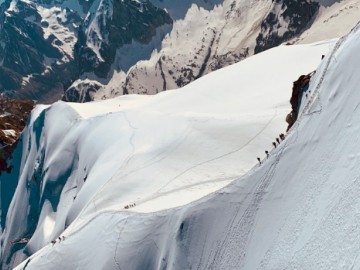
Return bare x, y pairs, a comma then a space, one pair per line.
144, 154
298, 210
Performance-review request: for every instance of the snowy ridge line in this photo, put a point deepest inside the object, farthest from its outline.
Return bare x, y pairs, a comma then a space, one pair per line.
241, 231
123, 165
127, 214
248, 217
161, 156
250, 212
199, 123
305, 111
338, 44
157, 193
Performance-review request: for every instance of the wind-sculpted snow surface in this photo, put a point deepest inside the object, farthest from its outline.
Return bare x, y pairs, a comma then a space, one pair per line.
101, 175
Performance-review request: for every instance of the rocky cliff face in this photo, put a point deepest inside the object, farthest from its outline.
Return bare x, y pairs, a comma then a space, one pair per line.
13, 117
286, 20
207, 40
46, 45
36, 51
93, 49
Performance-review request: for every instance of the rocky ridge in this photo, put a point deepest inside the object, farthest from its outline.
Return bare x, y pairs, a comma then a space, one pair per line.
84, 50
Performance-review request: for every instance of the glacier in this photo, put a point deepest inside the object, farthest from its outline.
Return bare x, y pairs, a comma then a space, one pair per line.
170, 181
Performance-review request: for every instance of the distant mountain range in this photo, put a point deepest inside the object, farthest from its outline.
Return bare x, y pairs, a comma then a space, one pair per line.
195, 178
84, 50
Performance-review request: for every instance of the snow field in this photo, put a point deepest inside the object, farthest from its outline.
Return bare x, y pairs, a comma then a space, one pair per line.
157, 152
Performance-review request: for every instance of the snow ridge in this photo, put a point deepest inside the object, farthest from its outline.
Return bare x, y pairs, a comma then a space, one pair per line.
145, 158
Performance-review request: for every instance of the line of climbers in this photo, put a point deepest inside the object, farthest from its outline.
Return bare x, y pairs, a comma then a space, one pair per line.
300, 86
278, 140
61, 238
130, 206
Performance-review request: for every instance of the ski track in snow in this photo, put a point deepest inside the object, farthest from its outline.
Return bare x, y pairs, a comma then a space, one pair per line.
224, 155
298, 217
131, 142
240, 227
117, 244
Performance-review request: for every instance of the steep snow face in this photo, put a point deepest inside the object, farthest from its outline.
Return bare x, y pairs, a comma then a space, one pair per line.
146, 153
298, 210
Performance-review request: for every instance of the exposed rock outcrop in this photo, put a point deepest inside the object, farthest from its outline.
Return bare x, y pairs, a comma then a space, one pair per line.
286, 20
13, 118
300, 86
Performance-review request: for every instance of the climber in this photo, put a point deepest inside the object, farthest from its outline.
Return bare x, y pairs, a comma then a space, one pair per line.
267, 153
277, 140
274, 144
259, 160
282, 136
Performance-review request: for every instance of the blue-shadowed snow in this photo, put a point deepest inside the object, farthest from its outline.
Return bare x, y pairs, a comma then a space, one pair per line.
299, 210
157, 152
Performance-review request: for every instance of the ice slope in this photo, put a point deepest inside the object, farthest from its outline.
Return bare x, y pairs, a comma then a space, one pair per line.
158, 151
299, 210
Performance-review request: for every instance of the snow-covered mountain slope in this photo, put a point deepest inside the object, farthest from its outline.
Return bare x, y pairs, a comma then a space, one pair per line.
298, 210
144, 153
333, 20
207, 40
